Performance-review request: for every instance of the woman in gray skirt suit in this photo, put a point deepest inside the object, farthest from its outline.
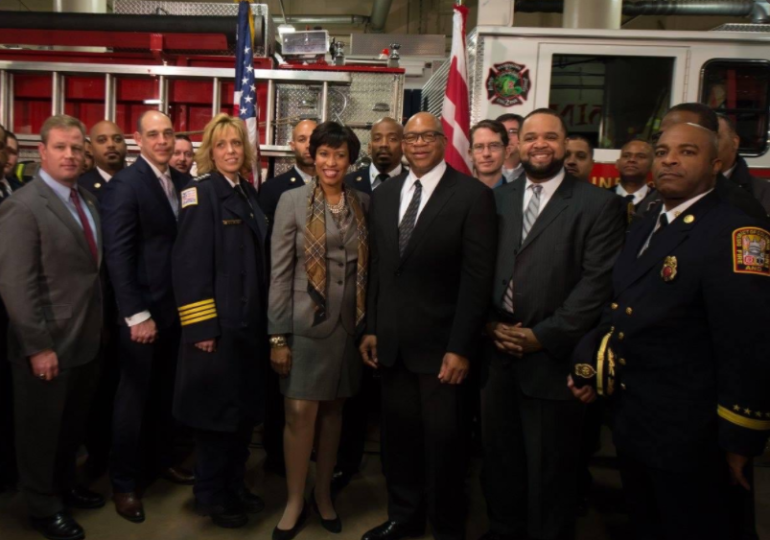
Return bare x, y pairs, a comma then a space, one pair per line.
320, 253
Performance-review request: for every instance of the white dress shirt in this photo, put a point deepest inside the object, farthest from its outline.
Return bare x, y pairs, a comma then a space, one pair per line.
512, 174
671, 215
105, 175
302, 174
639, 194
429, 181
374, 173
549, 188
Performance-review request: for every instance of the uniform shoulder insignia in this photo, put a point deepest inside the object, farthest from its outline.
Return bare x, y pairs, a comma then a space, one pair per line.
202, 177
751, 251
190, 197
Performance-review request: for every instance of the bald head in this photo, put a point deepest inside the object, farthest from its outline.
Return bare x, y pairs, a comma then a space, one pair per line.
109, 146
385, 144
686, 163
155, 138
424, 120
424, 143
300, 144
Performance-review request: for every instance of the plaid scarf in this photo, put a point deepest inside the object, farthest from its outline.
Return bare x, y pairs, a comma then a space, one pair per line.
315, 251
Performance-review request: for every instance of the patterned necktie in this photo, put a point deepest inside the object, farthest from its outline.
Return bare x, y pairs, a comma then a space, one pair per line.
168, 189
379, 180
87, 231
406, 228
530, 214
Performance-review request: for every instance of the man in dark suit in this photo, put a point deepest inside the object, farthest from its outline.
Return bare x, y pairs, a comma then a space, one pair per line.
685, 342
50, 256
140, 207
109, 148
299, 175
579, 157
433, 237
559, 237
634, 166
734, 167
386, 153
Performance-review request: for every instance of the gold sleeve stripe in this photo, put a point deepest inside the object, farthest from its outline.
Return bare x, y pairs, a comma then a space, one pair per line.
199, 314
199, 319
188, 312
600, 363
196, 304
738, 420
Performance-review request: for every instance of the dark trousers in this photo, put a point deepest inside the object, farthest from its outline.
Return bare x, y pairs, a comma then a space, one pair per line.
531, 449
666, 505
8, 472
740, 505
220, 465
143, 426
275, 419
425, 430
355, 417
589, 445
50, 421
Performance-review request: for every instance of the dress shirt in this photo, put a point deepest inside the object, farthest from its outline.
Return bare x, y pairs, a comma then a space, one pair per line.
513, 174
7, 185
729, 172
105, 175
374, 173
302, 174
503, 180
671, 215
429, 181
64, 193
639, 194
549, 188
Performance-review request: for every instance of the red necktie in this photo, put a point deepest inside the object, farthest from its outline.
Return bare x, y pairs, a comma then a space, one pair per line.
84, 222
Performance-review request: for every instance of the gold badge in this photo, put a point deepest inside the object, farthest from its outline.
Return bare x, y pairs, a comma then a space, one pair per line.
586, 371
358, 178
668, 272
97, 185
293, 180
689, 218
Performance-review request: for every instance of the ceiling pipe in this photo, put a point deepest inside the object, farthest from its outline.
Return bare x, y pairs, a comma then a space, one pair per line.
380, 11
347, 20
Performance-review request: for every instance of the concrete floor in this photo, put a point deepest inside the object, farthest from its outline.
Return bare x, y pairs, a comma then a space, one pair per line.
361, 506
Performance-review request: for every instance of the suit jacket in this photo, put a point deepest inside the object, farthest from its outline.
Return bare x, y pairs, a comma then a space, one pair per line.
758, 187
272, 189
291, 310
49, 279
561, 272
435, 298
689, 338
139, 232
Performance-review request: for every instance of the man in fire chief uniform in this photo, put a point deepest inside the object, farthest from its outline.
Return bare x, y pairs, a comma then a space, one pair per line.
683, 346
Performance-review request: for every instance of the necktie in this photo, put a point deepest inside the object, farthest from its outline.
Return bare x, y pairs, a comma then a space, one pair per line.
629, 199
89, 234
168, 189
530, 214
662, 222
239, 189
406, 228
379, 180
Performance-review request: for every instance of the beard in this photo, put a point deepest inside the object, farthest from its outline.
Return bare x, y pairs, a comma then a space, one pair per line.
543, 172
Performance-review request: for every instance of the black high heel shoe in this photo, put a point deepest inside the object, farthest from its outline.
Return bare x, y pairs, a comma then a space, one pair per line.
281, 534
331, 525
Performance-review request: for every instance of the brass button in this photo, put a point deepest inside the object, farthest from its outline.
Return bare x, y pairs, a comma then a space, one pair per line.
623, 386
629, 311
614, 305
622, 361
621, 336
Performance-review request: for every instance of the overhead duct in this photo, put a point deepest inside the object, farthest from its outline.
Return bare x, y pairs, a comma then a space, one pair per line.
380, 11
345, 20
757, 10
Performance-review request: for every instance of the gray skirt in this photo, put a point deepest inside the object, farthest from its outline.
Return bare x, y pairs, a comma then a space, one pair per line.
323, 369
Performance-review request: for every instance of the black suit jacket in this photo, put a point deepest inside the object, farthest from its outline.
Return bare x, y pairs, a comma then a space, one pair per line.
561, 272
434, 299
360, 180
139, 232
270, 192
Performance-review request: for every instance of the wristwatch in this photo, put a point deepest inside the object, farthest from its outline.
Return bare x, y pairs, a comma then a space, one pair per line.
276, 342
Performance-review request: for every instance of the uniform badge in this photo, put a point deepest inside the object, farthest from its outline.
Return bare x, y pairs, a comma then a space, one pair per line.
190, 197
586, 371
232, 221
751, 251
97, 185
689, 218
668, 272
358, 178
293, 180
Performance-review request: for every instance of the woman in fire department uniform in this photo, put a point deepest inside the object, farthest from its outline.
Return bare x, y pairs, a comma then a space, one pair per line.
220, 287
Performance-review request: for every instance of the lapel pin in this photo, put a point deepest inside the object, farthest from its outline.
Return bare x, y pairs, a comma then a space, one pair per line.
97, 185
358, 178
293, 180
668, 272
689, 218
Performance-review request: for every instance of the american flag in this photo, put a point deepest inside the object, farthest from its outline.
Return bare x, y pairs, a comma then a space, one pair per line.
455, 112
245, 97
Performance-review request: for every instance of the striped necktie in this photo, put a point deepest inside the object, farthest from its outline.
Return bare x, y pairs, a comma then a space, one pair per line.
530, 216
406, 228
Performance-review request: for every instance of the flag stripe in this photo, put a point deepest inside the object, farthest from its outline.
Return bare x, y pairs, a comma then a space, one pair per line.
245, 94
455, 112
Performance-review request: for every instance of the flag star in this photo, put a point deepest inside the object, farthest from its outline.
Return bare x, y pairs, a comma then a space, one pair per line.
245, 81
246, 50
253, 88
248, 99
244, 112
249, 68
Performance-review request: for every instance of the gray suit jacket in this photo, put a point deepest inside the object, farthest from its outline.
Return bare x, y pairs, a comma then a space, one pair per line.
291, 309
562, 275
49, 280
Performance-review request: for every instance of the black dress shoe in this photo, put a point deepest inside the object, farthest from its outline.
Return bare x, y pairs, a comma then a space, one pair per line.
227, 516
59, 526
283, 534
392, 530
340, 479
179, 475
332, 525
252, 504
80, 497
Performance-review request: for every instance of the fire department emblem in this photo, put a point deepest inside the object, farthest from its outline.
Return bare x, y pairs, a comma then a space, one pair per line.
751, 251
508, 84
668, 272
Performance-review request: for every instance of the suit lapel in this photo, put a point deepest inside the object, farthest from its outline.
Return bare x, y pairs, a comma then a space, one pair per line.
674, 234
153, 185
233, 202
58, 208
558, 202
510, 227
393, 205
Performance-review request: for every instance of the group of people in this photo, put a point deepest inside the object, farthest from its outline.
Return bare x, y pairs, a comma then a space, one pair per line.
141, 299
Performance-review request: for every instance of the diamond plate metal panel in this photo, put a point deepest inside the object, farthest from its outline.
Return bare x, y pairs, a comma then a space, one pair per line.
266, 44
411, 44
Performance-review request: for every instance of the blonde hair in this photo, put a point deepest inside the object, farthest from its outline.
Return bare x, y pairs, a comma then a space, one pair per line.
212, 132
61, 121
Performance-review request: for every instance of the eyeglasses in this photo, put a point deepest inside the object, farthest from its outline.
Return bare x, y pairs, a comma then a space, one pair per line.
493, 147
427, 137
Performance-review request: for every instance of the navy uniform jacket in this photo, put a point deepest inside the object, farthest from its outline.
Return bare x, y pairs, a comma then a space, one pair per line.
93, 182
220, 283
360, 180
272, 190
139, 232
688, 323
758, 187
